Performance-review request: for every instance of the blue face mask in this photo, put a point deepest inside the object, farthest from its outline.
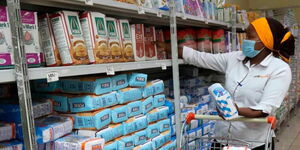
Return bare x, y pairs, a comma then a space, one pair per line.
248, 48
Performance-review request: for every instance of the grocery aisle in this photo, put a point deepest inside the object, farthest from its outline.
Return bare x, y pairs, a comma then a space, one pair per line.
289, 137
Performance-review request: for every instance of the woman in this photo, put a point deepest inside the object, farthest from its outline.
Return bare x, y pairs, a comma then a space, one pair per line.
256, 78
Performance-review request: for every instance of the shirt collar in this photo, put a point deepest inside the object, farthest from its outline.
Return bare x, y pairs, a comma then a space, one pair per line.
264, 63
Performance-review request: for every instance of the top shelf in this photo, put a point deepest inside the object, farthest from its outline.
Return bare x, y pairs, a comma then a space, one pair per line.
129, 11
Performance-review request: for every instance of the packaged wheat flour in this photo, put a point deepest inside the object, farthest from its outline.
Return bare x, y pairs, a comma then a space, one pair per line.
138, 42
126, 39
69, 38
31, 38
75, 142
150, 47
48, 44
95, 35
7, 131
114, 40
161, 49
6, 49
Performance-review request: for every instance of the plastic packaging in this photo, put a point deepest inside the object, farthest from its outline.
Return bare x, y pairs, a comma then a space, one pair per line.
224, 101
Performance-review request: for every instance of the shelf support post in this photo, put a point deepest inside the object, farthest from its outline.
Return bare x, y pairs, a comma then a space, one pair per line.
233, 29
21, 72
175, 70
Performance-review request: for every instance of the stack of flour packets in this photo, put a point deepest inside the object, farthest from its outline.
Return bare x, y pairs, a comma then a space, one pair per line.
224, 101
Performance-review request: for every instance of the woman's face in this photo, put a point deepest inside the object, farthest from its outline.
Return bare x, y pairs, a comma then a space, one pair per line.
252, 35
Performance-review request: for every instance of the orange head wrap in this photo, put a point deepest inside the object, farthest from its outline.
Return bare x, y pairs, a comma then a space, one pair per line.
265, 34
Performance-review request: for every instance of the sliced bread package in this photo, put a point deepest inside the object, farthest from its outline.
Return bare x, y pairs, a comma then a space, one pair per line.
75, 142
48, 43
95, 35
69, 38
147, 105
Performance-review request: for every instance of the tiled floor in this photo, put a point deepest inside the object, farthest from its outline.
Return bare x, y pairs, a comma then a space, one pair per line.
289, 133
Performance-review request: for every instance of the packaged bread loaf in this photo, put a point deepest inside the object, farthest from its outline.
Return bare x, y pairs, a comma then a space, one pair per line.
31, 38
150, 47
48, 44
6, 49
69, 38
95, 35
138, 42
126, 39
114, 40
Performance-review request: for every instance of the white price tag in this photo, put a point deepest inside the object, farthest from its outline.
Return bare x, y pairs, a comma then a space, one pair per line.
141, 10
163, 66
110, 70
183, 16
89, 2
206, 21
52, 77
159, 14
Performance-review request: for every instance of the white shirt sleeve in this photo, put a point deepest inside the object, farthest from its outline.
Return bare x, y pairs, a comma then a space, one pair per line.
217, 62
275, 90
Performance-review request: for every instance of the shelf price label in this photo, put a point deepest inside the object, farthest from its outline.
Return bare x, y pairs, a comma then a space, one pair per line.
163, 66
88, 2
141, 10
110, 70
159, 13
52, 77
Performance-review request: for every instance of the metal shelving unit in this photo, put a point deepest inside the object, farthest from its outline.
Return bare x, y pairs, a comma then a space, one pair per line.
22, 74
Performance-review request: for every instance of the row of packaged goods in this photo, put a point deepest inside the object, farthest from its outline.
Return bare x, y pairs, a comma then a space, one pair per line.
119, 112
67, 38
209, 9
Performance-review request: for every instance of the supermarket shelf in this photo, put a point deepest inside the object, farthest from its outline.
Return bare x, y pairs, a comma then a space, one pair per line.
129, 11
241, 27
66, 71
188, 20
